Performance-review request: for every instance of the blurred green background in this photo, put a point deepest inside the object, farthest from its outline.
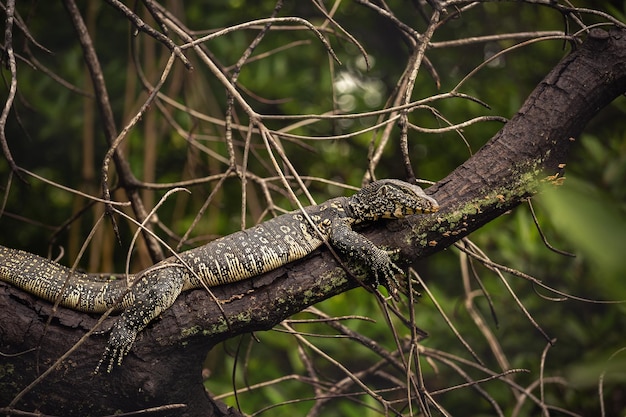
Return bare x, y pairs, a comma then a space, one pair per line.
55, 133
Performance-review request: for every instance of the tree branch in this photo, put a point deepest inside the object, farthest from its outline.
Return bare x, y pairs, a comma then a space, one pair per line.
529, 151
127, 178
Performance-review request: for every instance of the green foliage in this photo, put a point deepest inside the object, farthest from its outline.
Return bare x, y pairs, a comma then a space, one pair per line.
49, 129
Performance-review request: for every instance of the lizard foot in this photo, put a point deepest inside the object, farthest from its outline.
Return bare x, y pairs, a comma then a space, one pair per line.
385, 272
120, 342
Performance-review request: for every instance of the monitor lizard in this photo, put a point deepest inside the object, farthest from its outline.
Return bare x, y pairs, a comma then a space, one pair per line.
143, 296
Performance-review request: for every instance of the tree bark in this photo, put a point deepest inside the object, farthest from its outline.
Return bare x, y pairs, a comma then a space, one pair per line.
164, 367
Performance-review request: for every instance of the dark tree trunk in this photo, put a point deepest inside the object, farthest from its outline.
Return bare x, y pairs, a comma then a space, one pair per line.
164, 367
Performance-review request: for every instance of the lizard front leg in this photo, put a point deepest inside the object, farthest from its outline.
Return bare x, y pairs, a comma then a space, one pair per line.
352, 245
154, 292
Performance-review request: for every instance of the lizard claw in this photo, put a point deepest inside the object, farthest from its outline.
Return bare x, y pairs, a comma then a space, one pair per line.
118, 346
107, 360
383, 267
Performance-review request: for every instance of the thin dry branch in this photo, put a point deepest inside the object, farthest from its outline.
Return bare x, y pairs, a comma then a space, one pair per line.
470, 197
143, 27
8, 104
125, 174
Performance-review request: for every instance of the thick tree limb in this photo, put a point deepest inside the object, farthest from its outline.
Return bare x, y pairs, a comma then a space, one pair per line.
164, 366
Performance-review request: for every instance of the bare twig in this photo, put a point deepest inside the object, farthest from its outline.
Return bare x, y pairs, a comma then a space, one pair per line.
143, 27
9, 57
127, 178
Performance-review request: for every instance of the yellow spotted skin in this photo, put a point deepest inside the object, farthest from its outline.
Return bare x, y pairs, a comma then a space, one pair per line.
49, 280
242, 255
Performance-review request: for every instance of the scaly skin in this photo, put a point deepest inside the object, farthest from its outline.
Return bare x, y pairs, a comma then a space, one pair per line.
235, 257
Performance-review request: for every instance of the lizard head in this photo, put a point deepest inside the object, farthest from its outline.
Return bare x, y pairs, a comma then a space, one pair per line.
391, 199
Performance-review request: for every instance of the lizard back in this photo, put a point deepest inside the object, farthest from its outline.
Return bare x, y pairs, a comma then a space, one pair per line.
261, 248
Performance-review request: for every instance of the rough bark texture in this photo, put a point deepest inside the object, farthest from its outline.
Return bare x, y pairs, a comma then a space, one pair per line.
165, 364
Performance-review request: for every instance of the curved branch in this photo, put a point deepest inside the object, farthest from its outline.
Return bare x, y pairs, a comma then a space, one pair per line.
8, 105
529, 150
532, 148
